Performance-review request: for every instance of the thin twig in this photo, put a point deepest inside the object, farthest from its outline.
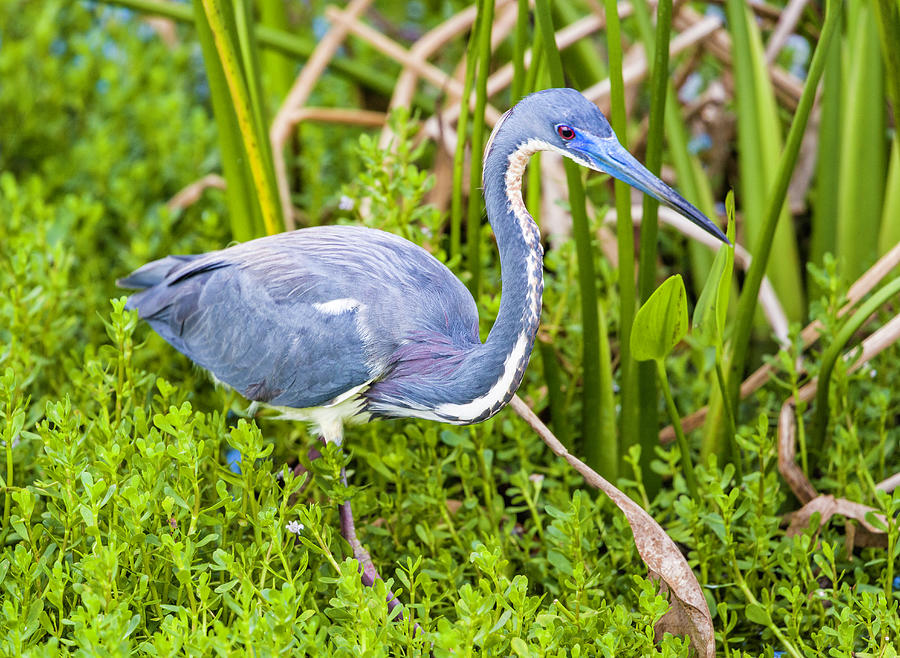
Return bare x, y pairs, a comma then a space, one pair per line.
190, 194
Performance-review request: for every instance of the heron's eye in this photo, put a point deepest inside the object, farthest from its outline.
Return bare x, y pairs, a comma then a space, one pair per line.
565, 132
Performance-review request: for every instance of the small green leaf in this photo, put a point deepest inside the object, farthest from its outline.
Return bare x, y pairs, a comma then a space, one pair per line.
661, 322
758, 614
518, 645
560, 562
712, 307
224, 587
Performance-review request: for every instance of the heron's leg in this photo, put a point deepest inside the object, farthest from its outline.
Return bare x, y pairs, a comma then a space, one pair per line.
335, 434
367, 570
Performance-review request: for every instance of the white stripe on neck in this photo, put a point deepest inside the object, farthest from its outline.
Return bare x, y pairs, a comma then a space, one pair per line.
515, 360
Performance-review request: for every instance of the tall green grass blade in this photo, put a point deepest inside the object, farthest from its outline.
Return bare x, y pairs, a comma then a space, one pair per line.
759, 141
710, 311
249, 55
580, 60
628, 419
476, 203
537, 70
890, 217
462, 130
243, 209
692, 182
862, 163
544, 24
555, 395
887, 13
609, 445
591, 427
762, 248
658, 52
833, 353
825, 208
217, 13
278, 70
520, 42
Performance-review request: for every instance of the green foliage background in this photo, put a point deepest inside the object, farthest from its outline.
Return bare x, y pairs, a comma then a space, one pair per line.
125, 532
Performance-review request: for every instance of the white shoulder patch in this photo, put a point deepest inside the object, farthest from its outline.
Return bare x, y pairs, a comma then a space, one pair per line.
337, 306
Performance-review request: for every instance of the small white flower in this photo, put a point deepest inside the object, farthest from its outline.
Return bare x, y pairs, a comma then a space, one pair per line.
294, 527
537, 478
346, 203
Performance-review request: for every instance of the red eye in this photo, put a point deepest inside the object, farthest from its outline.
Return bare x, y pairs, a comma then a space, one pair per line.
565, 132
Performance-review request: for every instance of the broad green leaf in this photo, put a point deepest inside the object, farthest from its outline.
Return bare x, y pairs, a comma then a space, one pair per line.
661, 322
712, 306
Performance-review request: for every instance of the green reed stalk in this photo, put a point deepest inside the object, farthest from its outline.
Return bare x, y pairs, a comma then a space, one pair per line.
863, 154
890, 216
518, 89
476, 202
628, 419
597, 446
887, 13
648, 421
243, 208
277, 68
833, 353
763, 246
219, 14
825, 210
462, 129
556, 399
760, 146
580, 60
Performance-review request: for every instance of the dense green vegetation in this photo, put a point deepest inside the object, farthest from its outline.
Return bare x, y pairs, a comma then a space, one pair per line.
124, 528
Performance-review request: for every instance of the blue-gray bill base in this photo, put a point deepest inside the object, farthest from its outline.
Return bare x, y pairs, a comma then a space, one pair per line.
341, 324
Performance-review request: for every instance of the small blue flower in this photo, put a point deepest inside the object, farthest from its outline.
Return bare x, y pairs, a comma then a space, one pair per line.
233, 458
778, 654
896, 582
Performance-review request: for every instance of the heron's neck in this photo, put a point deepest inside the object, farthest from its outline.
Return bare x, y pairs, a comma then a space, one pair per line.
521, 254
511, 339
487, 375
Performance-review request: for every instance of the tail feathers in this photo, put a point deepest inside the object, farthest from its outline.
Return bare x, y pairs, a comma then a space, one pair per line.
153, 273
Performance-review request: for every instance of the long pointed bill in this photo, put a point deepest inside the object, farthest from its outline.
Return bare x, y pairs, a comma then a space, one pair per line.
610, 157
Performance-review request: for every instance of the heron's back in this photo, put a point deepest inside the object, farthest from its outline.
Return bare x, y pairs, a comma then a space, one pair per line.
299, 318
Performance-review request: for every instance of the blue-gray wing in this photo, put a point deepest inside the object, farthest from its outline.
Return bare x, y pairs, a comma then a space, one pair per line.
299, 318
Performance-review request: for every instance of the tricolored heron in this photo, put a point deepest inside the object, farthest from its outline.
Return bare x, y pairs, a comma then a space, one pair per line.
342, 324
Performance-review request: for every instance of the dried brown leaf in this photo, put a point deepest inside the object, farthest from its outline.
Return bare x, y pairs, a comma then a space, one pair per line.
688, 612
827, 506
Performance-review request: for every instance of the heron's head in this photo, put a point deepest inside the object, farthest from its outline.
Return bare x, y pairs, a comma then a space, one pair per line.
564, 121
